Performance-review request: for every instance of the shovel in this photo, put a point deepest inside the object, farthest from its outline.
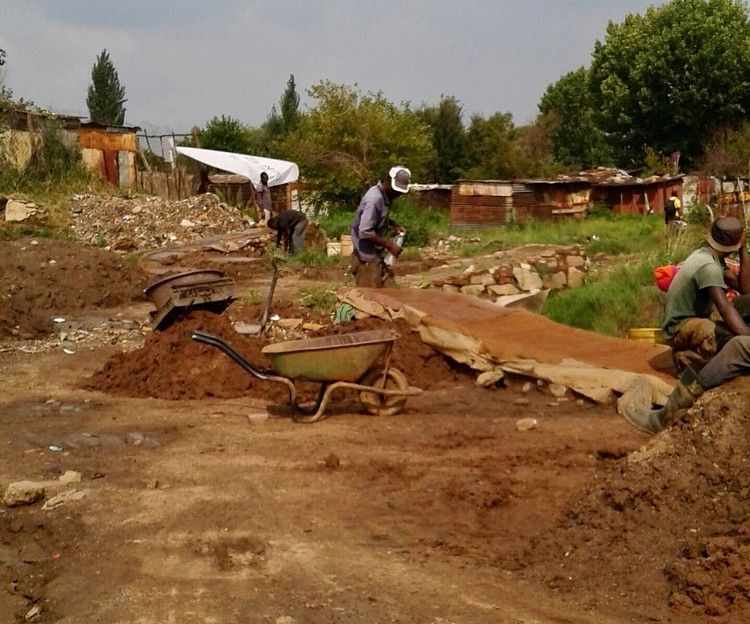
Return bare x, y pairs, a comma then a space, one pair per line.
255, 329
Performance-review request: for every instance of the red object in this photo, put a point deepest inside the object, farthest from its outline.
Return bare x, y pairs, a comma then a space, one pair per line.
664, 275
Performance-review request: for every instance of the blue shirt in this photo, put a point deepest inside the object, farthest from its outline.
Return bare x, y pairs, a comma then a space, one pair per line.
371, 219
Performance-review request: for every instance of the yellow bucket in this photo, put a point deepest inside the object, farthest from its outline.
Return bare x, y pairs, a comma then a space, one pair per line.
347, 248
646, 334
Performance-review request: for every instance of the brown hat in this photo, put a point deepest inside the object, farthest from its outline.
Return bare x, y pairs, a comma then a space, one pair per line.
725, 234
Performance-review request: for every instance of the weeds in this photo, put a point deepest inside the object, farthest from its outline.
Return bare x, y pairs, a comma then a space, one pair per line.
319, 298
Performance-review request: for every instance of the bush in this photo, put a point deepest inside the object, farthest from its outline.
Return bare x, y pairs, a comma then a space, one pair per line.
420, 225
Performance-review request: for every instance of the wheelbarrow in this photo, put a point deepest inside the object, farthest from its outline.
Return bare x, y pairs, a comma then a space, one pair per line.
358, 361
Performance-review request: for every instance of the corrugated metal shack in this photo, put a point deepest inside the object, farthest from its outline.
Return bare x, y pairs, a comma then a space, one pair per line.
478, 204
431, 196
729, 197
108, 150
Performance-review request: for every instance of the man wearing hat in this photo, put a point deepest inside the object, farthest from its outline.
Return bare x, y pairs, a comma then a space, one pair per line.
369, 229
699, 288
719, 350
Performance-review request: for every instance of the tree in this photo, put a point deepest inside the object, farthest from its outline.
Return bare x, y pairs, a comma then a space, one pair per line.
105, 95
577, 142
226, 134
492, 150
350, 139
670, 78
279, 125
448, 139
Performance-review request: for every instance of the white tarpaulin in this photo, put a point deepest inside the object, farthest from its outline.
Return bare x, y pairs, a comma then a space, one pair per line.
279, 171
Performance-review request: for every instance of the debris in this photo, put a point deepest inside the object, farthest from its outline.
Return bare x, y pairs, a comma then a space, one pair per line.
62, 498
526, 424
147, 222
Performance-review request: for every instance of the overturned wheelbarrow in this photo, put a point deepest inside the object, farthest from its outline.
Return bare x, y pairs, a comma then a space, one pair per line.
205, 289
358, 361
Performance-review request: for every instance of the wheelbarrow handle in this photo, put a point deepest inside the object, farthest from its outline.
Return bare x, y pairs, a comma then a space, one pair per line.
235, 355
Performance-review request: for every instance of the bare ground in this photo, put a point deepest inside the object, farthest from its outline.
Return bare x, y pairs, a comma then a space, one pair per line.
202, 501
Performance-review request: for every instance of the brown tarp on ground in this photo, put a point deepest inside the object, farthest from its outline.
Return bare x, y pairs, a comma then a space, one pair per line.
491, 338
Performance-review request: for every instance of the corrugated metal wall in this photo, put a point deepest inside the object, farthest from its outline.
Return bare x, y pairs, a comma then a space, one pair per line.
487, 204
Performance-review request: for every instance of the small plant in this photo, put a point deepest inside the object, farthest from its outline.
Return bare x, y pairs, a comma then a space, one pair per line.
251, 296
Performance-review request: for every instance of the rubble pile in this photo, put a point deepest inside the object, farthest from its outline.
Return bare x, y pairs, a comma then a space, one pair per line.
146, 222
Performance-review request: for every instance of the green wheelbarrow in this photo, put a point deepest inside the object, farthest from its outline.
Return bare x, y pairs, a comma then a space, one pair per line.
359, 361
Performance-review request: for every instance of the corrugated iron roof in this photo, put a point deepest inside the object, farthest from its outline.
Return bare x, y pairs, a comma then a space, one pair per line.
601, 176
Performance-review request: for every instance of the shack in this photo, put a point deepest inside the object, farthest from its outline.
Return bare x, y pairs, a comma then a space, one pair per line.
109, 151
479, 204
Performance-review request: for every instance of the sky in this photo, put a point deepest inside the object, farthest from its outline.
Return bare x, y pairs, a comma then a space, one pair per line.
183, 62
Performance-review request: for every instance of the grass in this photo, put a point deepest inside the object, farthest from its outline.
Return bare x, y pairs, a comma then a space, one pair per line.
320, 298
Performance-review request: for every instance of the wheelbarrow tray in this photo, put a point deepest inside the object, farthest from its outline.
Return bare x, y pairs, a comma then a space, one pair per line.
345, 357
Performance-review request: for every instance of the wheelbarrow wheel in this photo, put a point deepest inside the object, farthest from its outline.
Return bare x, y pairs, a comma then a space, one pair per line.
379, 404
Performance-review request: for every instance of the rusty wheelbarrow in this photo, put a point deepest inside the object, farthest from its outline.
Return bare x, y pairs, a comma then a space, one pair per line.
357, 361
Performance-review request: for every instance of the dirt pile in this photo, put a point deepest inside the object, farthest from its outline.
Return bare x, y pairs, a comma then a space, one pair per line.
147, 222
173, 366
670, 525
41, 279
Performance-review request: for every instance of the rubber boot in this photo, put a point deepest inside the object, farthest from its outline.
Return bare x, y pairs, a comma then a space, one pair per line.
685, 393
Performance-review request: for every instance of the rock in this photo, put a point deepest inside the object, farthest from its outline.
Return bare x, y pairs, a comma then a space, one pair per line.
523, 401
490, 378
62, 498
23, 493
557, 390
258, 418
526, 424
19, 211
502, 290
472, 289
527, 278
575, 277
70, 476
332, 461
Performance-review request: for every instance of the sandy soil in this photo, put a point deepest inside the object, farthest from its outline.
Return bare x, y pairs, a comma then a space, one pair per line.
202, 501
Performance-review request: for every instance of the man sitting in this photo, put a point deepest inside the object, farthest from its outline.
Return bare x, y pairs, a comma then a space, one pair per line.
290, 225
699, 288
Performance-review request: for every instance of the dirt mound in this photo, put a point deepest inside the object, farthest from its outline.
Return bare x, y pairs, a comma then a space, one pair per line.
173, 366
669, 527
41, 279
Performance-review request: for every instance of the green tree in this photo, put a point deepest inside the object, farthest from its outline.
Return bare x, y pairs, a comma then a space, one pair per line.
449, 139
577, 142
105, 95
350, 139
227, 134
279, 125
670, 78
492, 150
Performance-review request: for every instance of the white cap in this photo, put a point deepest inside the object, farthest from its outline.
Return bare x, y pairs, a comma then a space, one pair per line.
400, 177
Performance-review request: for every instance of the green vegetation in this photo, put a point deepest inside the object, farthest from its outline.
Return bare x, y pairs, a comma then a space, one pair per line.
55, 168
105, 97
421, 225
320, 298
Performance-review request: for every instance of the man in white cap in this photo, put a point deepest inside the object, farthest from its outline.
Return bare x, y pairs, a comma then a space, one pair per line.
699, 288
369, 230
